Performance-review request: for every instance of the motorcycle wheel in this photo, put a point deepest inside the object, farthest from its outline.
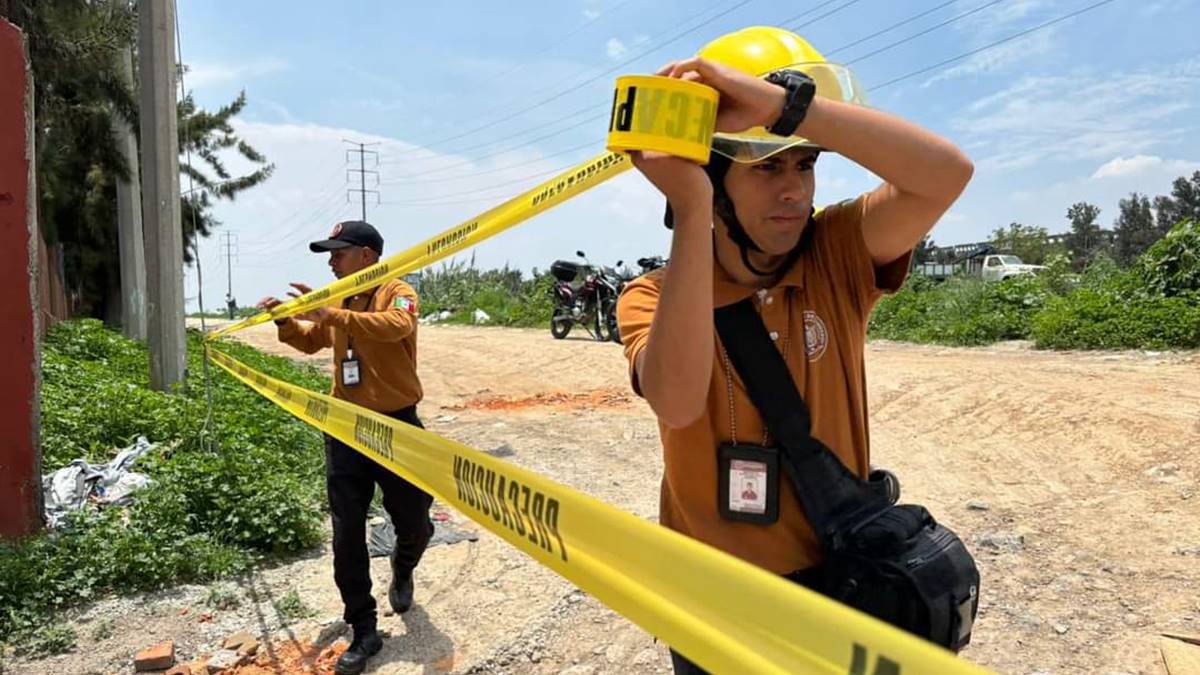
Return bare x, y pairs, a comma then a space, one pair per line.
603, 329
559, 327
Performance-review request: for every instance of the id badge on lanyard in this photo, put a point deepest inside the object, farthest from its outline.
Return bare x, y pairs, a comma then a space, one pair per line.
748, 483
351, 368
351, 374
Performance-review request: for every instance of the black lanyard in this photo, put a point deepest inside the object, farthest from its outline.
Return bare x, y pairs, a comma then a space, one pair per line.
346, 305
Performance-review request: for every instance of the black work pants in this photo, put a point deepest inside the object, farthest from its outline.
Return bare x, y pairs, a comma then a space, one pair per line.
350, 479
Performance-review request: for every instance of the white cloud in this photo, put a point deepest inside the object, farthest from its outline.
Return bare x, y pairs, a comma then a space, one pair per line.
590, 14
615, 48
1122, 167
201, 75
1036, 45
1081, 116
621, 219
1164, 6
998, 22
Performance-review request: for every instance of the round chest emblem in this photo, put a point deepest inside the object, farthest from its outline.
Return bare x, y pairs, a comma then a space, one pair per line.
816, 336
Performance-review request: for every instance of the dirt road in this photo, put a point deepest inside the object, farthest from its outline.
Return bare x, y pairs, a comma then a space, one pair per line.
1072, 477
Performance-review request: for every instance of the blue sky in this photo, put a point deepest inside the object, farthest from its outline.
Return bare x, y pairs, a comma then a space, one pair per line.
1090, 108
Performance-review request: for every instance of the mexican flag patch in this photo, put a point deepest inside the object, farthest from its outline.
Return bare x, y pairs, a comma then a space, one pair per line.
406, 304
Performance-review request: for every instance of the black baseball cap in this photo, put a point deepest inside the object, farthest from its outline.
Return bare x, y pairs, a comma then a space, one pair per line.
350, 233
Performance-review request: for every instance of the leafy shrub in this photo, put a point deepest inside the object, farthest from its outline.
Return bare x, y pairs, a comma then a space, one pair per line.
1112, 317
509, 298
959, 311
248, 483
1171, 266
291, 608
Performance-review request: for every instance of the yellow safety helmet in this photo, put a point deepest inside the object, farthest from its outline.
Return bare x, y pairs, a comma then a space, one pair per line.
759, 51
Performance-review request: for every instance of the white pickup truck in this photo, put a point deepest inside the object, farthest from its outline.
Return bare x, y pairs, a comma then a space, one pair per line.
990, 267
997, 267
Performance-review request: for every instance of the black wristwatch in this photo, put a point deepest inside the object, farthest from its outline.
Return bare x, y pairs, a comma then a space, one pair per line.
800, 90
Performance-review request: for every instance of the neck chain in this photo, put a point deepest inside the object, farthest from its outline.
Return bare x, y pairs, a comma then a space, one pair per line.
787, 339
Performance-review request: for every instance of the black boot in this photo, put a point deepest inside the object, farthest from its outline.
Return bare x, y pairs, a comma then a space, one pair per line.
366, 644
400, 593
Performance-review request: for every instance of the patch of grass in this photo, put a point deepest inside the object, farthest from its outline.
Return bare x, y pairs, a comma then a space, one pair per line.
291, 608
223, 597
103, 630
48, 640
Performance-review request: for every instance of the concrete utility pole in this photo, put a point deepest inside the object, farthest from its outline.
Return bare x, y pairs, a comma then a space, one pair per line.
362, 173
160, 193
130, 243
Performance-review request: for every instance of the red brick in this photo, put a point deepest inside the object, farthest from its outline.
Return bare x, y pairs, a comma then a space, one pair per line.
159, 657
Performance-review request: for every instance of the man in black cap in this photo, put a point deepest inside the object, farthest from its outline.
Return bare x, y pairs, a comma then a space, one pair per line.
374, 341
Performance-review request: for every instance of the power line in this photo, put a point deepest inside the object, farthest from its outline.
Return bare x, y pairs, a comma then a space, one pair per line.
475, 160
914, 36
436, 202
620, 65
433, 200
574, 87
810, 22
304, 227
275, 253
326, 192
229, 248
388, 162
592, 143
890, 28
986, 47
603, 113
362, 173
603, 15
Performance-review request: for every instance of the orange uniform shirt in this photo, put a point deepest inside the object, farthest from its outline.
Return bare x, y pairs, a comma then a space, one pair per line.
817, 314
383, 329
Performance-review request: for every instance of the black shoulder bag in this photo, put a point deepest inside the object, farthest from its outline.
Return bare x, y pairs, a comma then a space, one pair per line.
894, 562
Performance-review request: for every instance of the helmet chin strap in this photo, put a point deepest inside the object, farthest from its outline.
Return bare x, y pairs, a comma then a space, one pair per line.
724, 209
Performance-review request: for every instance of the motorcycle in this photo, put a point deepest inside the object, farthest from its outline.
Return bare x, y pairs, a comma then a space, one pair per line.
652, 263
585, 295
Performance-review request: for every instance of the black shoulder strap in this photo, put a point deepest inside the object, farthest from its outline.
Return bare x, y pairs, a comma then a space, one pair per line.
829, 492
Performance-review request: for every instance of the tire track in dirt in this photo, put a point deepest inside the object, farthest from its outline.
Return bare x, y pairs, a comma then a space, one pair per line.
1090, 458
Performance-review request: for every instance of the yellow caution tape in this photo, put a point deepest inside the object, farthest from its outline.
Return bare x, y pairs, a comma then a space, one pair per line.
547, 195
663, 114
649, 113
725, 614
722, 613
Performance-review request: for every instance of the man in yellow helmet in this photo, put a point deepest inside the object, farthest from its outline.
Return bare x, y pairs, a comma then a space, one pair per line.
745, 229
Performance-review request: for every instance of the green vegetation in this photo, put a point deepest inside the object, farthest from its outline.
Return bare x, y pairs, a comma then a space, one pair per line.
291, 608
1152, 304
509, 298
227, 491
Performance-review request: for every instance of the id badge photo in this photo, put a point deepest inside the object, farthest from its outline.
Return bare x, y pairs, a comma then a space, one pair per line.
748, 483
350, 371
